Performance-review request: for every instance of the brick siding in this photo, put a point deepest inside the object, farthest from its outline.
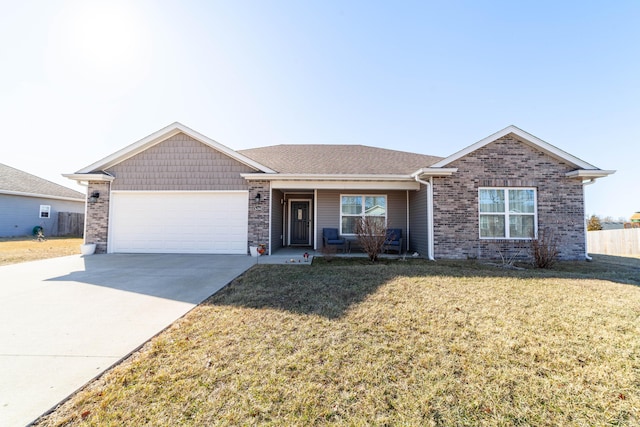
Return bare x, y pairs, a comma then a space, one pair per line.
97, 220
258, 214
507, 162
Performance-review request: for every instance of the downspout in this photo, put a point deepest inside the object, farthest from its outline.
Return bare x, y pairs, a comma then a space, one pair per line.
586, 249
429, 185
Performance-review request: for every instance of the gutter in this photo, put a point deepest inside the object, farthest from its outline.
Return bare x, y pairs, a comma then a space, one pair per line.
429, 185
323, 177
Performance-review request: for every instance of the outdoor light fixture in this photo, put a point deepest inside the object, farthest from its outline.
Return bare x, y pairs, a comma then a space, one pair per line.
257, 198
94, 197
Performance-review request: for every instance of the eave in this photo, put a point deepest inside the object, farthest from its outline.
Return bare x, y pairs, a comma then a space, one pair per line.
41, 196
587, 174
427, 172
86, 177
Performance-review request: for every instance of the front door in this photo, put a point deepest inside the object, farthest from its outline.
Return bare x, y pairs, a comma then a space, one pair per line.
300, 224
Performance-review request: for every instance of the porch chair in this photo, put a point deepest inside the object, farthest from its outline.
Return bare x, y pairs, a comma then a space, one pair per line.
393, 240
330, 237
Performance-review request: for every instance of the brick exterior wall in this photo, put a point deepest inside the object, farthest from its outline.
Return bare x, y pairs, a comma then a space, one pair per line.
258, 214
507, 162
97, 220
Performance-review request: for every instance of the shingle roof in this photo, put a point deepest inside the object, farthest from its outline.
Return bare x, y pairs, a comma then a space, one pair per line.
338, 159
17, 181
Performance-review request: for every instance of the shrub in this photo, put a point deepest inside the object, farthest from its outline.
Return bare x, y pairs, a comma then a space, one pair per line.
594, 223
544, 249
371, 236
328, 252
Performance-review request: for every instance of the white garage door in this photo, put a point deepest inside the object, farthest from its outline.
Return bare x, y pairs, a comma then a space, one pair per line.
179, 222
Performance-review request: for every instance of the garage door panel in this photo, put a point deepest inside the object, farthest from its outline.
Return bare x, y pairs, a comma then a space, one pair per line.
179, 222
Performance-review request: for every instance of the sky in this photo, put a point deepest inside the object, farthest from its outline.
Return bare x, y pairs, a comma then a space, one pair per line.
80, 80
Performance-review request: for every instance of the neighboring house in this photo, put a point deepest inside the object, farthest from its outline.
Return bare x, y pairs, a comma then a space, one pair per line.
27, 201
178, 191
612, 225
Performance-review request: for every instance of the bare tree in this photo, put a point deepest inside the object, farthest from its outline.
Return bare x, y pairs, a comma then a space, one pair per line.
544, 249
372, 233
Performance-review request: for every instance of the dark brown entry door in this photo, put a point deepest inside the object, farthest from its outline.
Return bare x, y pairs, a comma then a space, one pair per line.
300, 224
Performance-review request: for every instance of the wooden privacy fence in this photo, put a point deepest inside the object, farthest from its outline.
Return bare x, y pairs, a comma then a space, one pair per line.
614, 242
70, 224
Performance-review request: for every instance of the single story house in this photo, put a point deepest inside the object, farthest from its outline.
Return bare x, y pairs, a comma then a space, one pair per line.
178, 191
27, 201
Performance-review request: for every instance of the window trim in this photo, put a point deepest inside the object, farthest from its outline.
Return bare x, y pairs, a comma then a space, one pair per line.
507, 214
47, 209
386, 210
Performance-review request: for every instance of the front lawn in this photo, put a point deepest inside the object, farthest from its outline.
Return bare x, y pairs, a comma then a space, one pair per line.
403, 343
21, 249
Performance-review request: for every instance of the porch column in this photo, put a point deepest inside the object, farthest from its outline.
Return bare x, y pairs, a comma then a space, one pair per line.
259, 213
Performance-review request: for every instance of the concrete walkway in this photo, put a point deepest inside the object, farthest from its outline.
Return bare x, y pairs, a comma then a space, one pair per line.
64, 321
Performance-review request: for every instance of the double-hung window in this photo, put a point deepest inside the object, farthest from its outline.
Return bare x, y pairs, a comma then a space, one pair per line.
354, 208
508, 213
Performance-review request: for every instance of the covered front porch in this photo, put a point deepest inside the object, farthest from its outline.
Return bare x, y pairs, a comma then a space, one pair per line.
298, 218
299, 208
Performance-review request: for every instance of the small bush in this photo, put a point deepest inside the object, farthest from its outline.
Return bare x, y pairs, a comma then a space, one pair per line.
328, 252
371, 236
594, 223
544, 249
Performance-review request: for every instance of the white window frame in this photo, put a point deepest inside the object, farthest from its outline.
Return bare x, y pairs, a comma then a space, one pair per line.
362, 215
507, 213
45, 209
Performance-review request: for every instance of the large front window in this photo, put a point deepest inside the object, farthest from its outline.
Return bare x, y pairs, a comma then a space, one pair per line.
507, 213
354, 208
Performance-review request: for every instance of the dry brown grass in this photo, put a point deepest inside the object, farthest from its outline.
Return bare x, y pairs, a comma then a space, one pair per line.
396, 343
15, 250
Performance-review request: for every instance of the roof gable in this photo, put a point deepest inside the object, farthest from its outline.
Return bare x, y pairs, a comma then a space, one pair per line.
162, 135
525, 137
17, 182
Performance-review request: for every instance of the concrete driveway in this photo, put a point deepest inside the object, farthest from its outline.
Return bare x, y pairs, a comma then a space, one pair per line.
64, 321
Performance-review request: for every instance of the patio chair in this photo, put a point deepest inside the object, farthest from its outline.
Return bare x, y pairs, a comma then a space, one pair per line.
331, 238
394, 240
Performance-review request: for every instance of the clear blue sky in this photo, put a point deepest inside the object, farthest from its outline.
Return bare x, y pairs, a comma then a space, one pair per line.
82, 79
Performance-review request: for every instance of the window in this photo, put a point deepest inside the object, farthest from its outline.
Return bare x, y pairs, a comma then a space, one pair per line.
355, 207
508, 213
45, 210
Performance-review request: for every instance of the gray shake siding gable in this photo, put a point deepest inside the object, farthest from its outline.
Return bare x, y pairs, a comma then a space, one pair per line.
179, 163
507, 162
